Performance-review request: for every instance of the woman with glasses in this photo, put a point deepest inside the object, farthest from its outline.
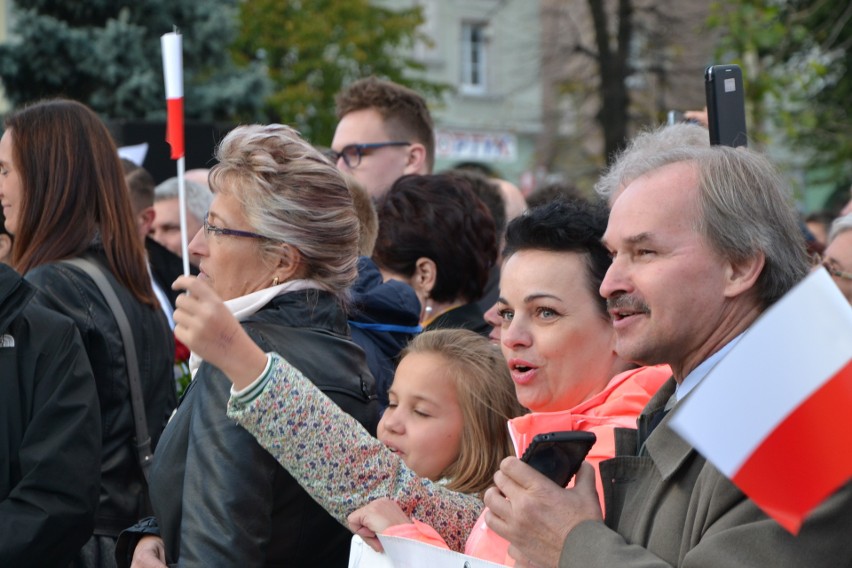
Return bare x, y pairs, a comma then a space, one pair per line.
279, 245
63, 193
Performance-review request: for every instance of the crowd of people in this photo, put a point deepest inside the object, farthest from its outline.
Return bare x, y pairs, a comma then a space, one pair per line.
373, 345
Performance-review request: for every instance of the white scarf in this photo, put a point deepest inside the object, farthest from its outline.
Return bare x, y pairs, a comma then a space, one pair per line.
244, 306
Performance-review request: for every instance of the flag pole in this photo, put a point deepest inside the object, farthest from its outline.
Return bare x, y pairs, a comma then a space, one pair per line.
171, 44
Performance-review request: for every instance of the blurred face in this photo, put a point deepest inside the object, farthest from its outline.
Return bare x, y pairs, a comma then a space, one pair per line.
666, 286
495, 320
555, 337
11, 194
379, 167
423, 421
232, 265
166, 226
838, 256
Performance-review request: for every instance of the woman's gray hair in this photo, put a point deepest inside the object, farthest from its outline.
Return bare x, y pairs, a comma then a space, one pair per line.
745, 209
290, 193
661, 139
840, 225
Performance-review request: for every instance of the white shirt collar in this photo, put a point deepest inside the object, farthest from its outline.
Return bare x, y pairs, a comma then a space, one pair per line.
701, 371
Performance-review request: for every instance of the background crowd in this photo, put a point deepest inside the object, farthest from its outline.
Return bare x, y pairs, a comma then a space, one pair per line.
363, 329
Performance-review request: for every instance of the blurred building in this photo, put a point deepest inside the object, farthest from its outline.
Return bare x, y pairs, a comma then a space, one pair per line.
489, 53
525, 82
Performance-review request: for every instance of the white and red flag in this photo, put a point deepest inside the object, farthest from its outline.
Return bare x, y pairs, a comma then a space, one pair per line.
775, 415
173, 74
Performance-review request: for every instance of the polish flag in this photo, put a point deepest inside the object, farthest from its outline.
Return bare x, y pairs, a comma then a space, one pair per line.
775, 415
173, 73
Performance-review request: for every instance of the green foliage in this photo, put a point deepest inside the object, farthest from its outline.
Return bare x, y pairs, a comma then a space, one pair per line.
312, 49
107, 54
795, 56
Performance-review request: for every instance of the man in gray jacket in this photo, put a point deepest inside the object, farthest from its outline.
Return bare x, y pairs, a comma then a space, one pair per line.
703, 241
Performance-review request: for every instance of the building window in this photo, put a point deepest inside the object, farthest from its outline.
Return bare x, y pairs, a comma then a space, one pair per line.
473, 58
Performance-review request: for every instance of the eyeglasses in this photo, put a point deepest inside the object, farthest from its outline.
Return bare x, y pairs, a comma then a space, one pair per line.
832, 267
208, 228
353, 153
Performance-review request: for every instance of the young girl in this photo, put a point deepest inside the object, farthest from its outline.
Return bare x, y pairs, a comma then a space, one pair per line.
449, 402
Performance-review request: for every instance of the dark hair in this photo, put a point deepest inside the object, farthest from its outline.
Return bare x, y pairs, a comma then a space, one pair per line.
73, 191
141, 185
440, 218
552, 191
565, 225
490, 194
404, 111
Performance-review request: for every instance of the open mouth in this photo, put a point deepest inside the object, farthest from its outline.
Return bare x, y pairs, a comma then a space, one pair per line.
522, 371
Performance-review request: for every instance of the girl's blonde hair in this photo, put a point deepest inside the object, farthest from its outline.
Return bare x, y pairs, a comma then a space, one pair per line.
487, 399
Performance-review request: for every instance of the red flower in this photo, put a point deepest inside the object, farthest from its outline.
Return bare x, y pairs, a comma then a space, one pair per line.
181, 351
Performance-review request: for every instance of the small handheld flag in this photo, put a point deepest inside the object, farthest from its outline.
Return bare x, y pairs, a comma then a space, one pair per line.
173, 74
785, 389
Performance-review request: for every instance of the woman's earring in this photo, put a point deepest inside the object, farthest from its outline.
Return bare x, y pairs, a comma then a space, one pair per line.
428, 309
275, 281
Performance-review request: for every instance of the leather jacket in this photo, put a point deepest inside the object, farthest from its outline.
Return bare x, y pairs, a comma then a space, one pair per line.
222, 500
68, 290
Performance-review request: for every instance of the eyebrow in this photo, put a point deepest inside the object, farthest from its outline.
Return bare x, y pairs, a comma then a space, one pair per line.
633, 239
532, 297
416, 398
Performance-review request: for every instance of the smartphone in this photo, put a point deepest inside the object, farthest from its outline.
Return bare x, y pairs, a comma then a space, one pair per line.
558, 455
723, 86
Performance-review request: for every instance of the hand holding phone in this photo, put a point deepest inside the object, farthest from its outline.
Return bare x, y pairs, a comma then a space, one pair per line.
723, 85
558, 455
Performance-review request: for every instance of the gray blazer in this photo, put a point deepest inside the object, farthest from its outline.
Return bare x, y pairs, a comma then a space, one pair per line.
668, 506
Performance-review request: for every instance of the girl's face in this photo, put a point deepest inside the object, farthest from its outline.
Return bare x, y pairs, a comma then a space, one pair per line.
423, 422
10, 184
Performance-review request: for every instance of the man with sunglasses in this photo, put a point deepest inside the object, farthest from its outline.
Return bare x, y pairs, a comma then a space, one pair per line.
384, 131
837, 257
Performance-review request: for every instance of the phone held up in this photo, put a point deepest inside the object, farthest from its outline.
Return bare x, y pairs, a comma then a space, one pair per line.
723, 86
558, 455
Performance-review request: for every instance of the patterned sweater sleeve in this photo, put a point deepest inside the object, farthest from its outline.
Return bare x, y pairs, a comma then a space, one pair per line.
336, 460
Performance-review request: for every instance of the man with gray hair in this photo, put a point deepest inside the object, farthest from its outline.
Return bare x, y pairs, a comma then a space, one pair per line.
837, 257
703, 240
166, 226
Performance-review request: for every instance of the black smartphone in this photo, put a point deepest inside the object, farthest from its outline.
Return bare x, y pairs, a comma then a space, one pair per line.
558, 455
723, 86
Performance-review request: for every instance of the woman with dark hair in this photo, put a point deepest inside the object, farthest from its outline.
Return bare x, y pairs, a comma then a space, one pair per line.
64, 196
439, 237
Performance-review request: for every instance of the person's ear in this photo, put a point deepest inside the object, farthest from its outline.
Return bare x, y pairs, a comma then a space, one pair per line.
145, 220
416, 160
741, 276
425, 275
289, 264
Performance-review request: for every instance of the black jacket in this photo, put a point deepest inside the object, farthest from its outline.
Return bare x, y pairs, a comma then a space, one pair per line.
165, 267
50, 432
219, 497
385, 317
466, 316
70, 291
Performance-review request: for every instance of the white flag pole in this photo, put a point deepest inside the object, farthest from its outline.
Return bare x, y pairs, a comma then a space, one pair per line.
173, 72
